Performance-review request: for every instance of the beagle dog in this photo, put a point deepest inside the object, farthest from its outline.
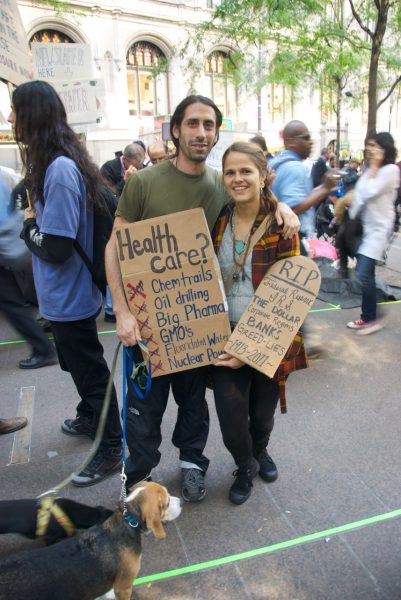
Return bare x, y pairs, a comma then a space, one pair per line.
104, 557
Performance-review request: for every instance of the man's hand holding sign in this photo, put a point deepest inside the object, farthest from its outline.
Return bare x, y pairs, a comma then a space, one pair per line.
173, 286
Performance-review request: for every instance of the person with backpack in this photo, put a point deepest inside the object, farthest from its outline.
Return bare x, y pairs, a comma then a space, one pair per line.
65, 208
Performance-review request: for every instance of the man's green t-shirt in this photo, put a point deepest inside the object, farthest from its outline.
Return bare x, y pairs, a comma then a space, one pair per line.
163, 189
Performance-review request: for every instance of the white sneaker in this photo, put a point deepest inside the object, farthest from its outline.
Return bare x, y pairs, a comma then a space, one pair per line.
370, 327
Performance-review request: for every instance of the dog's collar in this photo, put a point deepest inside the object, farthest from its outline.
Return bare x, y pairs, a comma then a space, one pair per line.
131, 521
134, 521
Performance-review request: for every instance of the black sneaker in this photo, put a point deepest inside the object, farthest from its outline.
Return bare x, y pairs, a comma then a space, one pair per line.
268, 470
193, 485
103, 464
79, 426
242, 487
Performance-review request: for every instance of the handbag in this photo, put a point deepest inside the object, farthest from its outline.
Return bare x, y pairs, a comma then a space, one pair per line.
350, 232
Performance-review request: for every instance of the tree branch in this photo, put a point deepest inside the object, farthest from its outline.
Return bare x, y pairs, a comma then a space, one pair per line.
396, 82
350, 40
359, 20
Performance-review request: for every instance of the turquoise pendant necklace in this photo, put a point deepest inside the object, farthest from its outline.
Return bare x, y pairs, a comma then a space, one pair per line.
239, 246
240, 250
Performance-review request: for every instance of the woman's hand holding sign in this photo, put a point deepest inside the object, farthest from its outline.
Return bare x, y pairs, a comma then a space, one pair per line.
226, 360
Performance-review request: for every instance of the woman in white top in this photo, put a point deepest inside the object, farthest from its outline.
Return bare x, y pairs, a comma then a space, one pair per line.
374, 195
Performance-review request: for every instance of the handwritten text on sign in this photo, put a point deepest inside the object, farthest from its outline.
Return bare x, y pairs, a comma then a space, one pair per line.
15, 62
275, 313
173, 286
62, 62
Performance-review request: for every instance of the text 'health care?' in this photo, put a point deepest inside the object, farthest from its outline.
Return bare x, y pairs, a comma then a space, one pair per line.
163, 248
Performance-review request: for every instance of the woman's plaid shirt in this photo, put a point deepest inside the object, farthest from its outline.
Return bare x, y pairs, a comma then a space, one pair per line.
269, 249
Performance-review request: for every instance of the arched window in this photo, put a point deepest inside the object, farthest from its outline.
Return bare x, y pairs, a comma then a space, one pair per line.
147, 80
221, 88
51, 35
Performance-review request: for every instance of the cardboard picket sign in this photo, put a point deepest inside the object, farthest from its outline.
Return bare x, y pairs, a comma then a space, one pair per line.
275, 313
173, 285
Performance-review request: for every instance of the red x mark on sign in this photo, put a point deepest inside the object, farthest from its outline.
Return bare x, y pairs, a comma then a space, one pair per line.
136, 290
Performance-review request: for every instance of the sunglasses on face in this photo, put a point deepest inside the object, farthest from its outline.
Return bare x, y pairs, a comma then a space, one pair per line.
303, 136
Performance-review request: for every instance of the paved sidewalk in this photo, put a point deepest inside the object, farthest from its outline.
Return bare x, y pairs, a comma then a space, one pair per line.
317, 533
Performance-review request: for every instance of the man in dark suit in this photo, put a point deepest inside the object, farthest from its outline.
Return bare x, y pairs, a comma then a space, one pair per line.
320, 168
118, 170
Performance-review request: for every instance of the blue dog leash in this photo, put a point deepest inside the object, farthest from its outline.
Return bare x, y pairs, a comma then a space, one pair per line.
135, 374
141, 389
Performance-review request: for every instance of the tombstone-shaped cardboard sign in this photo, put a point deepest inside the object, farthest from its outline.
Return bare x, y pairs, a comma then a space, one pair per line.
174, 288
275, 313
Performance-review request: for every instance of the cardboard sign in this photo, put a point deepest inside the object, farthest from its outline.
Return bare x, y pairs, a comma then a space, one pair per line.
82, 100
173, 286
15, 63
68, 68
275, 313
62, 62
226, 138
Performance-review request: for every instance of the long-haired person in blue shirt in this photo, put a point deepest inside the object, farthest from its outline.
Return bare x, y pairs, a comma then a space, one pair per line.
62, 182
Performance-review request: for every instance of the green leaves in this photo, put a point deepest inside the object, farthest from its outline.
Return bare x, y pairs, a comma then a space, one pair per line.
288, 41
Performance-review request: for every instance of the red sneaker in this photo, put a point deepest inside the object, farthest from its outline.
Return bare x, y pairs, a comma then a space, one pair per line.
357, 324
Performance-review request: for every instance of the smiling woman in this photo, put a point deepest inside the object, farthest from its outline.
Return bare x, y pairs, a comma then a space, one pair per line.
248, 241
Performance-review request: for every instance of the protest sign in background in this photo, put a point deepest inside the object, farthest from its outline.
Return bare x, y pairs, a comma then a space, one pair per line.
15, 62
174, 288
68, 68
62, 62
275, 313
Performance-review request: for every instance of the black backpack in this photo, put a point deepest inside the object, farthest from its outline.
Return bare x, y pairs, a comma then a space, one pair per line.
103, 220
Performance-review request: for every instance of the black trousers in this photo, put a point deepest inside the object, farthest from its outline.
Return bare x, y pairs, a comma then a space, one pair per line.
81, 353
144, 418
12, 304
246, 401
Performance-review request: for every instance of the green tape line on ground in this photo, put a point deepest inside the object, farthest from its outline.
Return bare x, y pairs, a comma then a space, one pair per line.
225, 560
313, 310
11, 342
332, 307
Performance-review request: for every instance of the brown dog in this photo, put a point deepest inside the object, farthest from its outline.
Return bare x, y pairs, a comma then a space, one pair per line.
103, 557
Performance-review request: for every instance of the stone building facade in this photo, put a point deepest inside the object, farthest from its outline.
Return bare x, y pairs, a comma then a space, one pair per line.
134, 49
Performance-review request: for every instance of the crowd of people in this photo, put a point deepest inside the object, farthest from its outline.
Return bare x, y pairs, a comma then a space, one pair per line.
254, 192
